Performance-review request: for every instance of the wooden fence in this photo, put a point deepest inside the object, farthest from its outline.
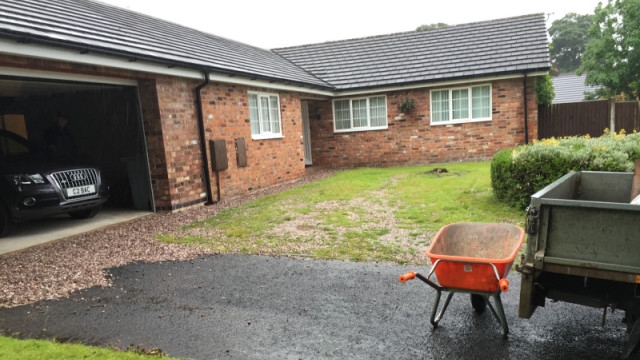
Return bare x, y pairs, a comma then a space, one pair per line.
588, 117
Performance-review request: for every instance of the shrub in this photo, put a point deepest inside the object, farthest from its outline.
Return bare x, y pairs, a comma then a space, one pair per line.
518, 173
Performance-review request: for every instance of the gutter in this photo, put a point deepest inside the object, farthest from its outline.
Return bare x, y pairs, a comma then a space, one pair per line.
526, 112
203, 143
23, 39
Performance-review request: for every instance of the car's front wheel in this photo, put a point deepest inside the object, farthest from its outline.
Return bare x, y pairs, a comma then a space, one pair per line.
85, 214
5, 222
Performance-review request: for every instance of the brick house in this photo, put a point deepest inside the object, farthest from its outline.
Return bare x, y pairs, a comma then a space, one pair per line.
181, 117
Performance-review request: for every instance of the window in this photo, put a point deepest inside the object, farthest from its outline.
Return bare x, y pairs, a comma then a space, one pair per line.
264, 114
461, 105
360, 114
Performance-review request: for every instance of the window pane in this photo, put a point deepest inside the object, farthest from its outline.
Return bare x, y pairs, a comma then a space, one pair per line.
275, 114
342, 114
254, 114
440, 105
264, 112
481, 102
359, 113
460, 102
378, 111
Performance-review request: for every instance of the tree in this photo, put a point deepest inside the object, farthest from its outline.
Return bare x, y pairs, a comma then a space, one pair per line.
568, 40
431, 26
612, 56
544, 90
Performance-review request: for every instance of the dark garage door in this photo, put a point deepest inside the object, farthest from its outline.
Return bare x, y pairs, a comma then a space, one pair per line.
104, 120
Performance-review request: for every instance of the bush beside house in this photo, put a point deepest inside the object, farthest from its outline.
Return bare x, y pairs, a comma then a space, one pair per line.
518, 173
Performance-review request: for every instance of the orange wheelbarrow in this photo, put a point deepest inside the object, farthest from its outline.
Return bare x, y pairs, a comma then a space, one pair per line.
472, 258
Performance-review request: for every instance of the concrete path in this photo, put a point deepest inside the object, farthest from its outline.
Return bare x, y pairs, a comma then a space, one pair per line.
42, 231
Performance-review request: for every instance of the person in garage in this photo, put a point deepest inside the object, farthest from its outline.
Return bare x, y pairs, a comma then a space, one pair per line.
61, 147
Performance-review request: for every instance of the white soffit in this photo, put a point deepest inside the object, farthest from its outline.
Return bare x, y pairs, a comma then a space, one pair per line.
61, 54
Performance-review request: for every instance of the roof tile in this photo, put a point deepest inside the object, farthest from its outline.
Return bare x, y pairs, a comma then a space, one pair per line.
516, 44
103, 28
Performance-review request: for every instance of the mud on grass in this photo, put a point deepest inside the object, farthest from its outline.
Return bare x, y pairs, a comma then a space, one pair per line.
360, 229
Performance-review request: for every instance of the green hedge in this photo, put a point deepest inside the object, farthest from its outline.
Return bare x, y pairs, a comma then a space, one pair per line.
518, 173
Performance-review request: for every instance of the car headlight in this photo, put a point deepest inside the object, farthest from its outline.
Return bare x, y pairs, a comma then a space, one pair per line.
26, 179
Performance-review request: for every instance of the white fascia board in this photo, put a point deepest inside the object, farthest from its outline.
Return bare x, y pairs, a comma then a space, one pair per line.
11, 47
61, 54
267, 85
436, 84
51, 75
73, 56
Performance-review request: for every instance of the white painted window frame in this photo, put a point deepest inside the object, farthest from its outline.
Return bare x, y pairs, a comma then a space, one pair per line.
361, 128
264, 134
470, 119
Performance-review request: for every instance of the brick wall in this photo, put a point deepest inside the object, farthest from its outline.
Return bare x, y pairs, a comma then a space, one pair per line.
410, 139
270, 161
179, 125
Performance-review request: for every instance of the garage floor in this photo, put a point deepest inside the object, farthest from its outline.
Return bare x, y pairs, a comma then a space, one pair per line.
33, 233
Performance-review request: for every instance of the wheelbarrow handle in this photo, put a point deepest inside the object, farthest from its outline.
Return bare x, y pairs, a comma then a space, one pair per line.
504, 285
410, 275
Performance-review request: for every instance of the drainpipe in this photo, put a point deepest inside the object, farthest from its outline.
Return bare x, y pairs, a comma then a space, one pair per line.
526, 113
203, 140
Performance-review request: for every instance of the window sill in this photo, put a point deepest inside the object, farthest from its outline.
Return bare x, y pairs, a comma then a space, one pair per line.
264, 137
359, 130
454, 122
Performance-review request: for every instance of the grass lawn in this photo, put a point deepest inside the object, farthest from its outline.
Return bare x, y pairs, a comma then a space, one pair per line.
367, 214
47, 350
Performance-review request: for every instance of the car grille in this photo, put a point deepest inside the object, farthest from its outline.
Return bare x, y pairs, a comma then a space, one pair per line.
75, 178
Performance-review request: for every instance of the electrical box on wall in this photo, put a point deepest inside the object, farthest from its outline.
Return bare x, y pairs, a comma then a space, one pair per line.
241, 152
218, 150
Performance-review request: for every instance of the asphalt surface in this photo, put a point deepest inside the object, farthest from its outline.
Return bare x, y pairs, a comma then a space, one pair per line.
255, 307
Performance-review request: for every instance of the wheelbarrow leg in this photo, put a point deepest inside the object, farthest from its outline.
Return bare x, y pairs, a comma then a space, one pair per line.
436, 319
498, 312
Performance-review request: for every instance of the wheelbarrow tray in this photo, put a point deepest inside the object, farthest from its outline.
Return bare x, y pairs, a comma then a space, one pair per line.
474, 256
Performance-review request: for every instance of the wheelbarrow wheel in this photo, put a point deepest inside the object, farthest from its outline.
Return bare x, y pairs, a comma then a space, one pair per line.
479, 303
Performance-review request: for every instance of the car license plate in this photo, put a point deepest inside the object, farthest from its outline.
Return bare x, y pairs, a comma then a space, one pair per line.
81, 190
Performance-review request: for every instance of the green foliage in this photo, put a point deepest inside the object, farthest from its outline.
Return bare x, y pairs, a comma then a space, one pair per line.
52, 350
517, 174
406, 105
612, 56
431, 26
569, 37
544, 90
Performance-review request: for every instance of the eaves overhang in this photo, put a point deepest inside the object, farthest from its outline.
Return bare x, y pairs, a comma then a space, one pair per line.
41, 47
441, 82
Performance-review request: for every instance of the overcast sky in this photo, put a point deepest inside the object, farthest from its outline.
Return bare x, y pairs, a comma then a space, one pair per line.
279, 23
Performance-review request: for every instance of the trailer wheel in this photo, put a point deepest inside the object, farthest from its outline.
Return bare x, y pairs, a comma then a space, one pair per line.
479, 303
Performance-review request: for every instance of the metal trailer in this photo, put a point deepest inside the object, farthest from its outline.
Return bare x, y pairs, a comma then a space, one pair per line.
583, 247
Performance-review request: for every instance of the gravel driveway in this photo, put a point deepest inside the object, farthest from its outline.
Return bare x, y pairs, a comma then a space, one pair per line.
57, 269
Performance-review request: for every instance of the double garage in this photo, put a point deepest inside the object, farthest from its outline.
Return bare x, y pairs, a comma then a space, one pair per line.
104, 118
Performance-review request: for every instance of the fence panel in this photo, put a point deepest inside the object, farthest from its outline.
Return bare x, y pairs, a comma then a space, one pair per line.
588, 117
627, 116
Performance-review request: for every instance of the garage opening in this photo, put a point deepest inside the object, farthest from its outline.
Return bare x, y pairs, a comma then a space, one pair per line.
104, 121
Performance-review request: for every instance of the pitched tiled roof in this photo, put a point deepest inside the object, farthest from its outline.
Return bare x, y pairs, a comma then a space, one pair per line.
570, 87
504, 46
97, 27
513, 45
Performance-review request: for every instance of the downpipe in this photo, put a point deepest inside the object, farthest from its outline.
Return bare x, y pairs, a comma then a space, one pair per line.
203, 140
